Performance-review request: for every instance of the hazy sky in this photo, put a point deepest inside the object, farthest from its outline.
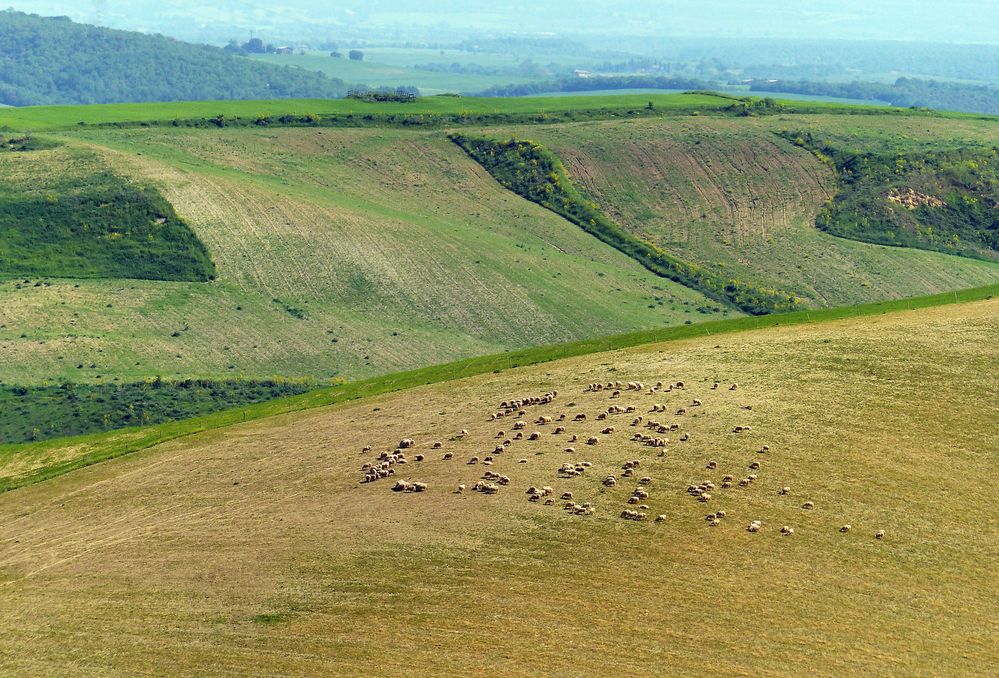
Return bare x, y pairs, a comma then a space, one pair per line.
936, 20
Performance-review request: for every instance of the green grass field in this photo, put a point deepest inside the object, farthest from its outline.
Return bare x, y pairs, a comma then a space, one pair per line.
398, 250
731, 195
255, 550
374, 73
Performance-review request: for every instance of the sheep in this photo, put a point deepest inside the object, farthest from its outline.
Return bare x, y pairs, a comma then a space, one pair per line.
754, 526
573, 438
633, 500
714, 386
419, 487
406, 443
607, 431
765, 448
558, 430
521, 461
448, 456
845, 528
438, 445
787, 530
499, 449
751, 477
880, 534
733, 387
461, 488
501, 434
544, 420
742, 483
464, 432
532, 490
808, 505
636, 421
685, 437
728, 479
473, 460
593, 440
503, 480
566, 495
549, 502
682, 411
419, 457
610, 481
366, 448
401, 486
696, 403
547, 491
579, 417
535, 436
646, 480
785, 491
710, 516
643, 507
704, 497
720, 514
601, 416
570, 450
520, 425
755, 465
661, 518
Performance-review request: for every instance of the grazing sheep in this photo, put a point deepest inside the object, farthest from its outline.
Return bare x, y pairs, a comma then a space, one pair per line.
787, 530
610, 481
521, 461
544, 420
519, 436
579, 417
785, 490
633, 500
751, 477
728, 479
547, 491
535, 436
438, 445
473, 460
366, 448
406, 443
401, 486
720, 514
607, 431
845, 528
696, 403
765, 448
558, 430
501, 434
743, 483
679, 384
714, 386
661, 518
880, 534
464, 432
549, 502
570, 450
754, 526
461, 488
808, 505
712, 465
726, 483
684, 437
499, 449
566, 495
711, 516
733, 387
593, 440
646, 480
573, 438
704, 497
520, 425
681, 411
419, 487
419, 457
755, 465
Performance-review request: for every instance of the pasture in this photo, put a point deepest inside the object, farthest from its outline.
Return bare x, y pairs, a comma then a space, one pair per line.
256, 549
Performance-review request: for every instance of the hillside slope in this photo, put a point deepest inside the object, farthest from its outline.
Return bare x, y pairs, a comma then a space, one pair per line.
257, 551
56, 61
730, 195
341, 253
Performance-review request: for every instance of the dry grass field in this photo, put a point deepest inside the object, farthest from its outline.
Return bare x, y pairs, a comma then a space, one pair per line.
257, 550
730, 194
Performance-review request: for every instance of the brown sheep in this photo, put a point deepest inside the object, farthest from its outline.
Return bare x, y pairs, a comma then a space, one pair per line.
438, 445
712, 465
535, 436
579, 417
593, 440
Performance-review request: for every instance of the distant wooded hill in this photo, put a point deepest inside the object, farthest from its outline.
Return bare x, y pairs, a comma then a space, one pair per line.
56, 61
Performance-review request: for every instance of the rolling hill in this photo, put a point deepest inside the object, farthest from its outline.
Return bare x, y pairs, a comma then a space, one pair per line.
257, 550
733, 196
55, 61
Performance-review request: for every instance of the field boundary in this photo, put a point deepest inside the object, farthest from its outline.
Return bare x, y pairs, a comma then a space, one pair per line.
96, 448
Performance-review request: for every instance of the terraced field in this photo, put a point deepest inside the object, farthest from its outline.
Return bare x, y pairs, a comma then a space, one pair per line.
257, 550
339, 253
728, 193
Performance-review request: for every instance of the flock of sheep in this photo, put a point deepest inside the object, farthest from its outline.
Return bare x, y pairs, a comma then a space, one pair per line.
648, 433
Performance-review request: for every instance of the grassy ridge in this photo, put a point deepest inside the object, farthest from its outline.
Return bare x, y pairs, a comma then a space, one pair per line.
535, 173
26, 464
